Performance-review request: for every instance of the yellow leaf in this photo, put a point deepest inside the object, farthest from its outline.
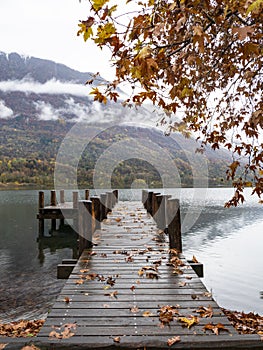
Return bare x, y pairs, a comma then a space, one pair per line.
104, 33
98, 4
189, 322
255, 6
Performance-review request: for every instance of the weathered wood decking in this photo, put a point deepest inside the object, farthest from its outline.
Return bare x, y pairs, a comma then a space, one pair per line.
114, 294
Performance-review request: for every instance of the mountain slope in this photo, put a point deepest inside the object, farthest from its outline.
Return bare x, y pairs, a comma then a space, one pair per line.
39, 103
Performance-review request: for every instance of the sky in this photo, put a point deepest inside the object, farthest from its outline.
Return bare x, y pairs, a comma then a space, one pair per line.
48, 29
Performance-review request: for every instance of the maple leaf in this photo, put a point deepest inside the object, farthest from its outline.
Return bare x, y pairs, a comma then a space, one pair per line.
98, 4
173, 340
215, 328
205, 311
189, 322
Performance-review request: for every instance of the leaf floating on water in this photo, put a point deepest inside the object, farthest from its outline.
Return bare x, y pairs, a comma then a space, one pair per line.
189, 322
173, 340
215, 328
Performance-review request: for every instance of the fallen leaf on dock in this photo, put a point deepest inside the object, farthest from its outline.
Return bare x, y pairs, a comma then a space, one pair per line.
66, 300
117, 339
173, 340
147, 314
118, 219
134, 309
79, 282
189, 322
182, 284
84, 270
167, 313
112, 294
205, 311
215, 328
27, 347
194, 259
132, 288
2, 346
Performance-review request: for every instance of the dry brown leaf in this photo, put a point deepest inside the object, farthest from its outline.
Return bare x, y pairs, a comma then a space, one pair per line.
27, 347
182, 284
215, 328
79, 282
167, 313
140, 272
194, 259
112, 294
117, 339
84, 270
2, 346
147, 314
132, 288
54, 334
173, 340
66, 300
189, 322
205, 311
134, 309
118, 219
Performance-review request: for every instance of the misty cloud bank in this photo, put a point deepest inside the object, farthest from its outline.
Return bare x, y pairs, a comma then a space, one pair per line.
51, 87
72, 109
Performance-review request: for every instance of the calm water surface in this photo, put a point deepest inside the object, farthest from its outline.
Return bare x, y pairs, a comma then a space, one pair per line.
228, 241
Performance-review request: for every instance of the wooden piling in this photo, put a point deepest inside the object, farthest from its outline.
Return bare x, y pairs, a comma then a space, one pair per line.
75, 198
108, 202
62, 201
149, 202
53, 202
41, 204
115, 197
96, 211
154, 203
144, 197
174, 224
86, 195
103, 210
85, 225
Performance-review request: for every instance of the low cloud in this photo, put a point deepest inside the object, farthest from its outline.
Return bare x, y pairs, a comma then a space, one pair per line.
52, 87
5, 112
46, 111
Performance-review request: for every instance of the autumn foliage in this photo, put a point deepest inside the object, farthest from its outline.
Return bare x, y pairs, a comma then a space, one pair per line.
198, 61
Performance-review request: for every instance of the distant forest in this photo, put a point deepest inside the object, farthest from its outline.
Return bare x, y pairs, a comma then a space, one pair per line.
29, 147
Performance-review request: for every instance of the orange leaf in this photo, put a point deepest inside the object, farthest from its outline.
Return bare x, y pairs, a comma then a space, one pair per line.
173, 340
215, 328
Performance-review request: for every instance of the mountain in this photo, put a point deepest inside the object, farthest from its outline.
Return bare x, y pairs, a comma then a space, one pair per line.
40, 102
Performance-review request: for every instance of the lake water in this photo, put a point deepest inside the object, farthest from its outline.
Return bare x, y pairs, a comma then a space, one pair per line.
229, 242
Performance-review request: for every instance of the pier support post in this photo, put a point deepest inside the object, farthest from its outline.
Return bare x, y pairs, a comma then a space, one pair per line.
41, 204
149, 202
75, 198
53, 201
96, 210
62, 201
108, 202
115, 197
144, 197
103, 210
86, 195
154, 204
174, 224
85, 225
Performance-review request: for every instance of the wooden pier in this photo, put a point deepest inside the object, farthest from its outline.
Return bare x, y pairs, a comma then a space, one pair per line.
135, 290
